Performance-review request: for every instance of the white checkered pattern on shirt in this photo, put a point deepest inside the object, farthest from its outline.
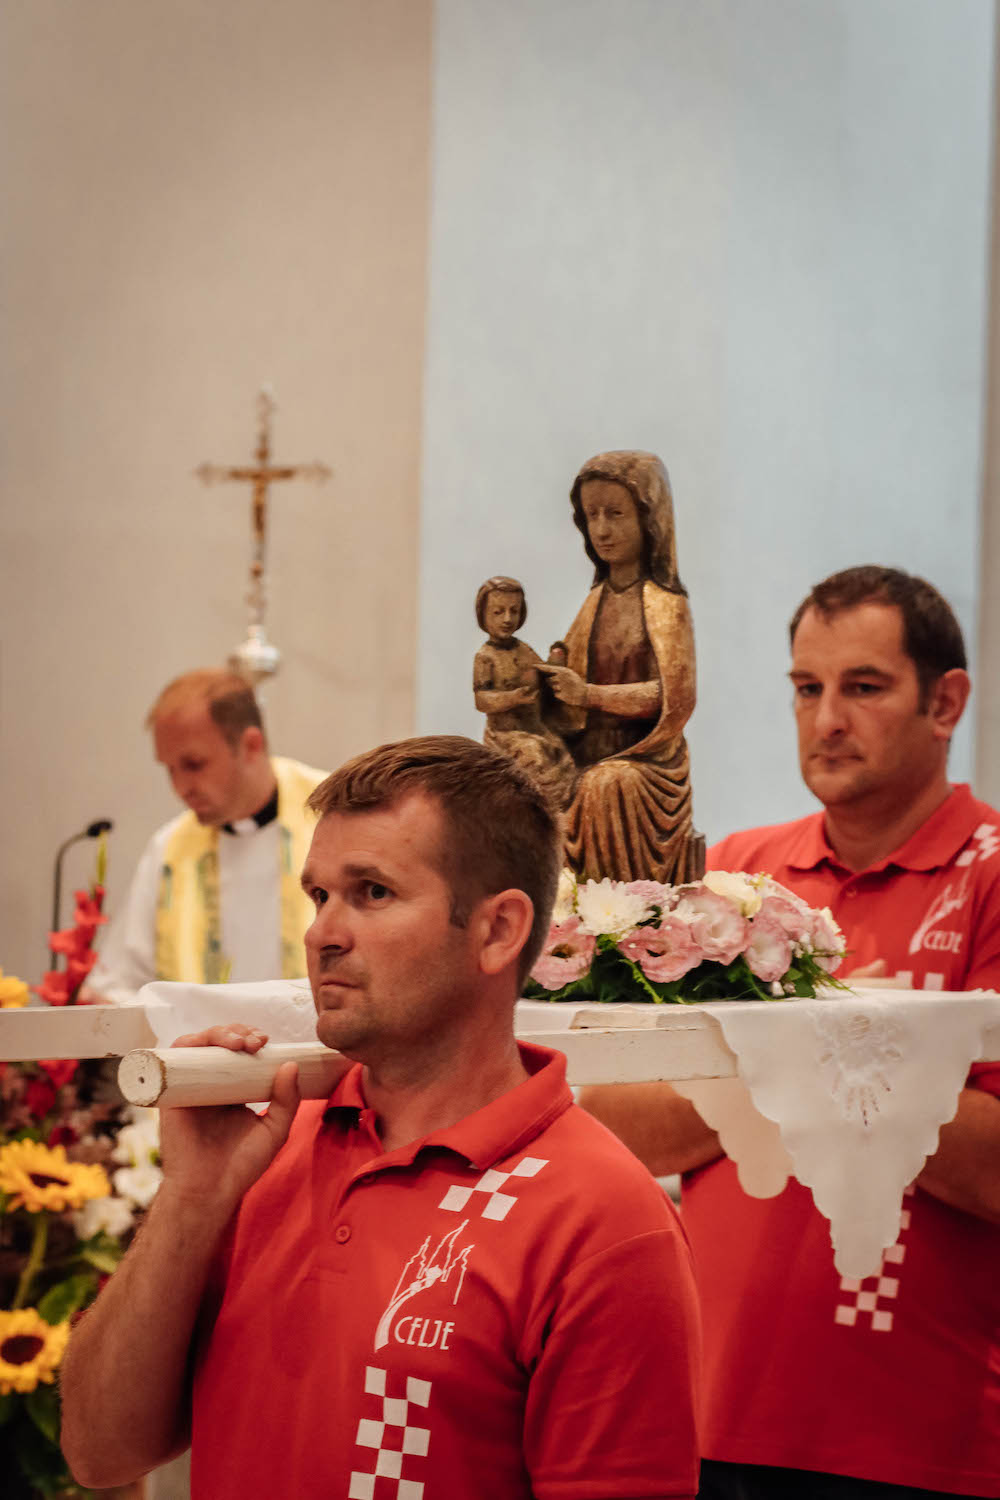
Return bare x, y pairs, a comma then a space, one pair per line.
498, 1205
875, 1294
371, 1434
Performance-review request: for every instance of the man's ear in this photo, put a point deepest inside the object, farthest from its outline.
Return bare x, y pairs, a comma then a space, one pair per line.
502, 925
252, 741
949, 696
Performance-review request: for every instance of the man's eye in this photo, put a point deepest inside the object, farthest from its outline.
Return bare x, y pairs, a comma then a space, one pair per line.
378, 892
864, 689
807, 690
318, 897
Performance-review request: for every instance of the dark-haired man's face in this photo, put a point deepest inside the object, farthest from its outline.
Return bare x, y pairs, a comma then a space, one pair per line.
862, 731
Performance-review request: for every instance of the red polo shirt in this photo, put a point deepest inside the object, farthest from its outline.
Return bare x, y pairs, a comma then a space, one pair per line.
897, 1377
503, 1309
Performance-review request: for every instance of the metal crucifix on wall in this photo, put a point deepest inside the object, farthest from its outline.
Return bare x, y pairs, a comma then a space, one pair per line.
257, 657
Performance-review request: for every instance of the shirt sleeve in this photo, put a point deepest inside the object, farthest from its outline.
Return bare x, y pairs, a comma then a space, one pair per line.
127, 958
984, 970
984, 961
611, 1401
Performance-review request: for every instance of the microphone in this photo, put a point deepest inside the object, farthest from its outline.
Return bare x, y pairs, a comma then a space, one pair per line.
92, 831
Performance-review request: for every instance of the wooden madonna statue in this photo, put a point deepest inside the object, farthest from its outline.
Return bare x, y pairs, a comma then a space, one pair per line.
627, 688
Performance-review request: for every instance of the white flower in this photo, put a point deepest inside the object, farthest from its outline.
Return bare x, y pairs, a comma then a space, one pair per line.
138, 1184
741, 890
138, 1143
103, 1215
565, 897
608, 906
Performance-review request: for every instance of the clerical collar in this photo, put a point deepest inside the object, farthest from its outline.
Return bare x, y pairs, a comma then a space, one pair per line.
264, 815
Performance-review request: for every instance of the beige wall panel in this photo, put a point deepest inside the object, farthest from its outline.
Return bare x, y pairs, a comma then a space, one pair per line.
200, 198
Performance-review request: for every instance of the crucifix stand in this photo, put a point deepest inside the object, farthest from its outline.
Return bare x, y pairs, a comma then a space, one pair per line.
257, 657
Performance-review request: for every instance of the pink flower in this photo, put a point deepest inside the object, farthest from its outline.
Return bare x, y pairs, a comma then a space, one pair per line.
567, 955
717, 926
796, 923
769, 951
652, 893
827, 940
663, 953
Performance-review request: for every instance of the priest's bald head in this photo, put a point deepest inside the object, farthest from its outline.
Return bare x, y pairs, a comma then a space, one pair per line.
209, 735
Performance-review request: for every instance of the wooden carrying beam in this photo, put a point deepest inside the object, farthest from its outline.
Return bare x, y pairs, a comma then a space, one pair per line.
692, 1047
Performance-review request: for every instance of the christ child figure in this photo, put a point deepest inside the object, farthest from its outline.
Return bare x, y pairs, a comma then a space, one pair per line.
506, 684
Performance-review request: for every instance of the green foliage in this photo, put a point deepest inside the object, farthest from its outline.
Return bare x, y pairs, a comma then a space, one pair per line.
42, 1406
67, 1297
31, 1461
103, 1252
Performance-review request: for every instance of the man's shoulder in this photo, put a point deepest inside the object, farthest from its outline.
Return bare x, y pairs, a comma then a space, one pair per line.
601, 1176
161, 838
981, 812
759, 848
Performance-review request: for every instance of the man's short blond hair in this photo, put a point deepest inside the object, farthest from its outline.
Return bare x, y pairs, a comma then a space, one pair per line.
228, 697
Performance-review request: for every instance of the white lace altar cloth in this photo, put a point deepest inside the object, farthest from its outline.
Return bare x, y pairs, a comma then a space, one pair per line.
281, 1007
846, 1095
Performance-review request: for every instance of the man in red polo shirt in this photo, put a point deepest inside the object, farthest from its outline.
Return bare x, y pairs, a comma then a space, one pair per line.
818, 1387
445, 1281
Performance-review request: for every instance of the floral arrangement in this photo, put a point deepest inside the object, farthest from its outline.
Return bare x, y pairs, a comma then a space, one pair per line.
725, 937
77, 1169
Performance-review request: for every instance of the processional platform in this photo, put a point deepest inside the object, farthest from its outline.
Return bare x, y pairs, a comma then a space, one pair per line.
846, 1095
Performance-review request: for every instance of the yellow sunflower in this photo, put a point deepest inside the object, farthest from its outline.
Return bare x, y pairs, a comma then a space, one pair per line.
30, 1350
38, 1177
13, 992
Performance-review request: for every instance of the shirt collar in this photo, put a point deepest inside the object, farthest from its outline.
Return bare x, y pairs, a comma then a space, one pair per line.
260, 819
936, 842
489, 1134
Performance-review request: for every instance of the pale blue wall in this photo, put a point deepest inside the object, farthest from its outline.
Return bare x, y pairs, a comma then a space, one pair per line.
749, 235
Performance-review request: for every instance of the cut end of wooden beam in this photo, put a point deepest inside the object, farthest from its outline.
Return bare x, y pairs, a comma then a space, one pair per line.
142, 1076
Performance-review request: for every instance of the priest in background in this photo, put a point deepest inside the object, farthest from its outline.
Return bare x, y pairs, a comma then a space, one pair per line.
216, 894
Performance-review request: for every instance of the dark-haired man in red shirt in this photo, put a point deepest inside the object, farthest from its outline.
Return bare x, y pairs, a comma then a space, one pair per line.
819, 1388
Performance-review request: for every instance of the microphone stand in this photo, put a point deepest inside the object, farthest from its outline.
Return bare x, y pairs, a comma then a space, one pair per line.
92, 831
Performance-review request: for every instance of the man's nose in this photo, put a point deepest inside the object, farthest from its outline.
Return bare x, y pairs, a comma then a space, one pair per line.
329, 928
831, 714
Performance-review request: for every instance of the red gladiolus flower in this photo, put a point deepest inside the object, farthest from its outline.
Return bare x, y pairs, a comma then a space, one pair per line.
70, 940
88, 908
59, 1069
79, 966
62, 1135
40, 1097
55, 988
